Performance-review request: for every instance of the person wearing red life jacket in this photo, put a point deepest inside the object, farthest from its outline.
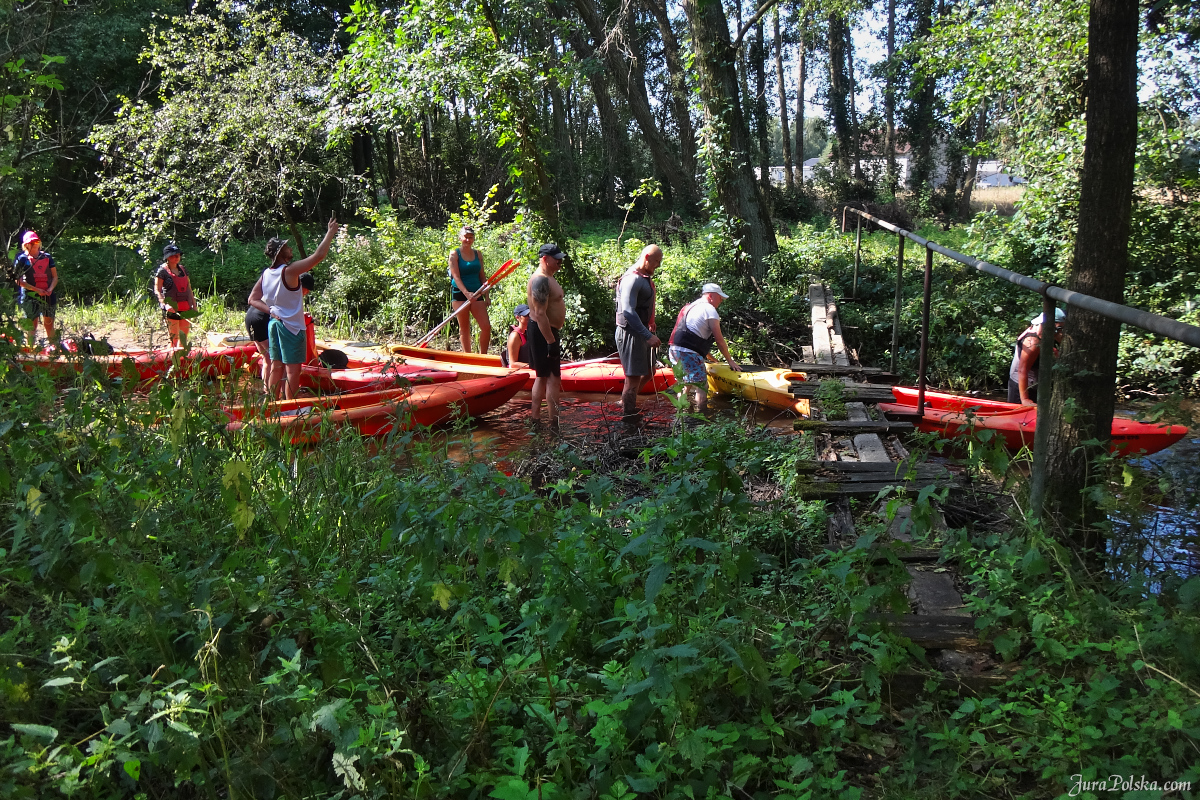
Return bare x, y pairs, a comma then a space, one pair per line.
697, 329
37, 278
173, 288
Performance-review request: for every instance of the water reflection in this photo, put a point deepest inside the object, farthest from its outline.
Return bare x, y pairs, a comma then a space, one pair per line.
1164, 539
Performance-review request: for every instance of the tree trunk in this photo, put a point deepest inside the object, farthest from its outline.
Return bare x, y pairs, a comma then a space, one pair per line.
855, 131
760, 111
614, 135
892, 181
631, 83
729, 143
801, 75
1081, 407
789, 181
839, 92
920, 112
980, 133
677, 74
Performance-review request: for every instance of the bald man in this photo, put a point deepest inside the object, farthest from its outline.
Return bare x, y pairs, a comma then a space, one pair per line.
635, 328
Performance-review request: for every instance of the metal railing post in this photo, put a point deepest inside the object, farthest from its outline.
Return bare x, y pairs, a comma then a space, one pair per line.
857, 256
1041, 432
924, 362
844, 209
899, 291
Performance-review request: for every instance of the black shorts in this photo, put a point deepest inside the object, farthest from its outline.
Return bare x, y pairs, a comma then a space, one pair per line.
545, 357
1014, 392
456, 295
37, 306
256, 324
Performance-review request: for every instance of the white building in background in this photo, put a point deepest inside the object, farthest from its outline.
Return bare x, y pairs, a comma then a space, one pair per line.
988, 174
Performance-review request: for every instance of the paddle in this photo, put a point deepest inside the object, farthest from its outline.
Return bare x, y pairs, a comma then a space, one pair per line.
505, 270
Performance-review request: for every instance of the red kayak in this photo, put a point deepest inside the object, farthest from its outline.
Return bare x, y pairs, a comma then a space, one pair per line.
362, 375
149, 365
955, 415
603, 376
310, 420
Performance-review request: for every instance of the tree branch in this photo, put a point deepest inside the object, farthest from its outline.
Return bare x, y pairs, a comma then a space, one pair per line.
750, 23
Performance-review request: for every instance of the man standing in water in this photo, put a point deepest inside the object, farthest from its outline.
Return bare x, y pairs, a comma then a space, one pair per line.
547, 313
635, 327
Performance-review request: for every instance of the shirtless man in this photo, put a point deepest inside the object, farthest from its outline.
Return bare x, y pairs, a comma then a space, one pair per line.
547, 313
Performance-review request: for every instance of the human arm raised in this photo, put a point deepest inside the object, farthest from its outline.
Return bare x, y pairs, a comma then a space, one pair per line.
293, 271
715, 326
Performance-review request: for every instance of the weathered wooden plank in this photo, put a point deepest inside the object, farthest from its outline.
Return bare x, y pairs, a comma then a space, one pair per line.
851, 426
934, 593
934, 632
822, 348
818, 490
860, 392
835, 369
895, 467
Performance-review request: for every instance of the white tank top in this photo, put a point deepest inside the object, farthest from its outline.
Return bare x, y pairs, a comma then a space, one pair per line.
287, 305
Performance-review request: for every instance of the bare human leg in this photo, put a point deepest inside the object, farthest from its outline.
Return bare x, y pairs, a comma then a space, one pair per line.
480, 312
463, 317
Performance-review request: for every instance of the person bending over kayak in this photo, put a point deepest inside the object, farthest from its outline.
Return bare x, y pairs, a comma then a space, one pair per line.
1023, 372
466, 278
547, 313
258, 316
282, 294
516, 352
37, 277
173, 288
635, 327
697, 329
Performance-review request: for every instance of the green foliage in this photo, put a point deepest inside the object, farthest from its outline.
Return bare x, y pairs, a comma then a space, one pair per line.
229, 141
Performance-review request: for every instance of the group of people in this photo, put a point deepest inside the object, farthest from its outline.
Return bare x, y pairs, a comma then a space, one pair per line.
276, 324
696, 330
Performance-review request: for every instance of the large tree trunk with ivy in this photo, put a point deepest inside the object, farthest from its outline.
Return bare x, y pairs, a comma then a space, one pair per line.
729, 146
1081, 406
759, 56
839, 93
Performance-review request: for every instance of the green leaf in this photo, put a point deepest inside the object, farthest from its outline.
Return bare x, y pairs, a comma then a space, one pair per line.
513, 789
44, 732
656, 579
58, 682
133, 768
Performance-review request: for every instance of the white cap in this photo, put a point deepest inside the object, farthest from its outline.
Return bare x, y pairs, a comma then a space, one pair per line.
712, 287
1059, 316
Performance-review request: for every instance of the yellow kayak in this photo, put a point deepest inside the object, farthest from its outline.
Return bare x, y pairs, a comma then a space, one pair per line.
763, 385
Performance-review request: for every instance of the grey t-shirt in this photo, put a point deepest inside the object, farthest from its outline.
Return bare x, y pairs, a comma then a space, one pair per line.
635, 303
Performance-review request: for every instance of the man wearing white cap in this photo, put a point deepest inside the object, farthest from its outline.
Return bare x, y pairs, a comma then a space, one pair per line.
697, 329
1023, 372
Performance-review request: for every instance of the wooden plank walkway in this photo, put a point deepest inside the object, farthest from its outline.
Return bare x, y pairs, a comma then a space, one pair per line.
855, 460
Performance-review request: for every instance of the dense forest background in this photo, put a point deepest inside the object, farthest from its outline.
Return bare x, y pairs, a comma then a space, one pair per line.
221, 121
189, 612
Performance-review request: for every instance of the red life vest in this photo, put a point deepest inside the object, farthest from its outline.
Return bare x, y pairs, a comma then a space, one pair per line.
37, 271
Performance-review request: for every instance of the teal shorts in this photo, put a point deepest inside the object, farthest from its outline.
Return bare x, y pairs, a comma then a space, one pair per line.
285, 346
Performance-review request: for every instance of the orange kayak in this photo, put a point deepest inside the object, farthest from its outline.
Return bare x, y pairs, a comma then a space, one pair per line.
603, 376
310, 420
150, 365
955, 415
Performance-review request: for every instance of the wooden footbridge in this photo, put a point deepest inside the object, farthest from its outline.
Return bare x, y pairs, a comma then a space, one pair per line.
857, 458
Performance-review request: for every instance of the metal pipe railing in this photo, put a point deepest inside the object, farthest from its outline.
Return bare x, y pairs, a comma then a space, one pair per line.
1051, 296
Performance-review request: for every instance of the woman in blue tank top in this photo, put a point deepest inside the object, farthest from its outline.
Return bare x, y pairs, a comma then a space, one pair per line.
466, 277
